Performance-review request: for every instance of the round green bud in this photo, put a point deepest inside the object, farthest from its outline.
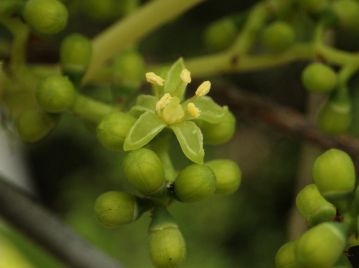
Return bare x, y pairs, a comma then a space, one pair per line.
56, 94
166, 244
278, 36
313, 207
113, 129
115, 208
195, 182
335, 117
221, 132
129, 69
318, 77
220, 34
33, 125
347, 12
285, 257
321, 246
334, 173
313, 6
144, 171
75, 54
46, 16
228, 175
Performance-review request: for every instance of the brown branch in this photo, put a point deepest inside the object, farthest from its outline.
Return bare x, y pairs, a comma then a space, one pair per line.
285, 119
34, 221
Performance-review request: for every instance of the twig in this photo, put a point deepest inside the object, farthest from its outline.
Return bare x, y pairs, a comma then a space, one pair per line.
34, 221
285, 119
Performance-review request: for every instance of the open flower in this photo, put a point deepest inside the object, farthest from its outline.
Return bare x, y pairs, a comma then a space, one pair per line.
168, 109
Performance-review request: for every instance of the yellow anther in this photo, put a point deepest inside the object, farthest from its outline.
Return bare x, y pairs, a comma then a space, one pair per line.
193, 110
163, 102
203, 89
154, 79
186, 76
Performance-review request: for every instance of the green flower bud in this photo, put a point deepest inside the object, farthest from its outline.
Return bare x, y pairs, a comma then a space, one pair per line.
318, 77
33, 125
335, 117
195, 182
46, 16
75, 55
56, 94
221, 132
321, 246
343, 263
285, 257
228, 175
113, 129
144, 171
128, 69
220, 34
313, 207
278, 36
115, 208
347, 12
334, 173
313, 6
166, 244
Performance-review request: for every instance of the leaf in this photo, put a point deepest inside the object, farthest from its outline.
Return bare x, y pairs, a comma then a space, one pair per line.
173, 82
147, 126
210, 111
190, 138
144, 103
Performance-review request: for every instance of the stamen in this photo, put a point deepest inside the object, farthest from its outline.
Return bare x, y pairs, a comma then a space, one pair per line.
186, 76
163, 102
193, 110
203, 89
154, 79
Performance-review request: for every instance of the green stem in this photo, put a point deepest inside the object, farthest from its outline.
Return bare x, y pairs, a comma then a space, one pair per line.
20, 33
132, 28
90, 109
161, 147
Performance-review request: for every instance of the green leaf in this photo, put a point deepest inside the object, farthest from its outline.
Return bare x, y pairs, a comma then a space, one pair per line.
173, 82
144, 103
190, 138
147, 126
211, 112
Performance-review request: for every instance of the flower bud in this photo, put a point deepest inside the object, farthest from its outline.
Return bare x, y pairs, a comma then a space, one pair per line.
195, 182
321, 246
166, 244
228, 175
33, 125
221, 132
113, 129
347, 12
278, 36
334, 173
313, 207
56, 94
144, 171
46, 16
115, 208
220, 34
285, 257
318, 77
335, 117
75, 55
